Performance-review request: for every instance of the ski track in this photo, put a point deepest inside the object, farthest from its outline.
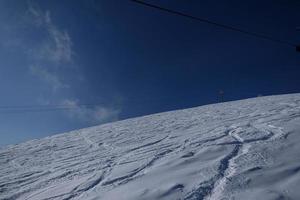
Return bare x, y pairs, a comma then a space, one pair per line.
95, 161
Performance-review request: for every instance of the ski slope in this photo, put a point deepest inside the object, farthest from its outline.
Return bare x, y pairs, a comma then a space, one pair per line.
246, 149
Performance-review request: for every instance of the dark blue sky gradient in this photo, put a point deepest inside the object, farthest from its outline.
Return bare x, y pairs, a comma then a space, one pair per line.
142, 61
159, 61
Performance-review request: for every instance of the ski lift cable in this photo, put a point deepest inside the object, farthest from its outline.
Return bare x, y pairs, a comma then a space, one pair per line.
254, 34
54, 106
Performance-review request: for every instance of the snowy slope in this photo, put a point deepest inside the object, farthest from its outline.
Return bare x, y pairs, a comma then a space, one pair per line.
245, 149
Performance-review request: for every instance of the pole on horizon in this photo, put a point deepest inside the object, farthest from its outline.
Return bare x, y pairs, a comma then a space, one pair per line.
298, 46
221, 95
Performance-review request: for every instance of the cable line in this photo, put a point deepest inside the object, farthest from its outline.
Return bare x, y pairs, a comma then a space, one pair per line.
59, 106
43, 108
257, 35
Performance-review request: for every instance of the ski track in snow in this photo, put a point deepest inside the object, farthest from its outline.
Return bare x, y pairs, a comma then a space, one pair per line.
208, 152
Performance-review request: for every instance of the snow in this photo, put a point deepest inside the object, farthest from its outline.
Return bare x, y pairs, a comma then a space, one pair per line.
246, 149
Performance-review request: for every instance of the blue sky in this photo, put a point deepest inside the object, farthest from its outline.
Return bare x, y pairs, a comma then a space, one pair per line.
132, 60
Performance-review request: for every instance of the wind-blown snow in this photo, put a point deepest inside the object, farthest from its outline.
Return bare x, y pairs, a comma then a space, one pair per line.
245, 149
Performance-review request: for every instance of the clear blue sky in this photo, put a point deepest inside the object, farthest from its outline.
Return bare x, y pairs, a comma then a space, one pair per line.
132, 60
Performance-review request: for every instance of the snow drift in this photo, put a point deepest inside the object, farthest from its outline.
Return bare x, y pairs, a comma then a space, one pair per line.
245, 149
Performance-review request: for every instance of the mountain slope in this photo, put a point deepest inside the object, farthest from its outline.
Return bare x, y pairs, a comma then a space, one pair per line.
245, 149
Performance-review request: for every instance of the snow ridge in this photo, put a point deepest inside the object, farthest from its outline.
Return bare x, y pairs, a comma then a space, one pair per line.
236, 150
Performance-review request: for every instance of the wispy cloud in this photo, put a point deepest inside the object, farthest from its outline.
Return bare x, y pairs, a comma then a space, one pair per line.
48, 77
53, 52
96, 114
57, 47
50, 57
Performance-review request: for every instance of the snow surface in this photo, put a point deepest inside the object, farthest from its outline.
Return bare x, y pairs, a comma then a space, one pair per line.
245, 149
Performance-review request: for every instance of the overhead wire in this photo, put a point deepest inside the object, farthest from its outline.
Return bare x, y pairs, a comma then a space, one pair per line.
43, 108
203, 20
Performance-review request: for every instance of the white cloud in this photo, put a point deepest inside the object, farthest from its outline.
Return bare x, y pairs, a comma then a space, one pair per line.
96, 114
39, 17
57, 48
47, 77
61, 51
49, 56
52, 53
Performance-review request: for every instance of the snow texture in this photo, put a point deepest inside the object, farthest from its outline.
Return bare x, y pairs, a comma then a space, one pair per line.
245, 149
